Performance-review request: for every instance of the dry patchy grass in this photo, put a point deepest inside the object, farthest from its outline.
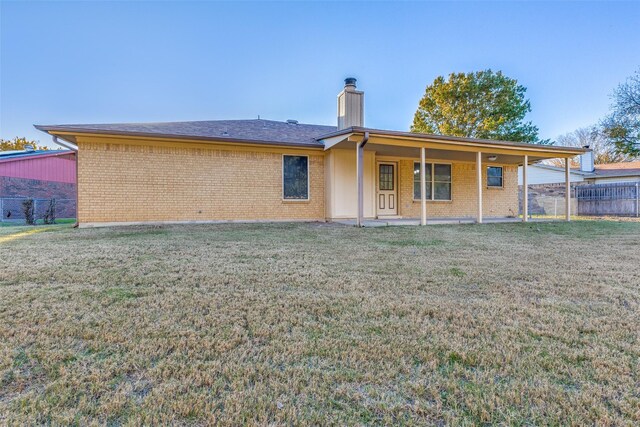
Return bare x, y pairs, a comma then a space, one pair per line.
317, 324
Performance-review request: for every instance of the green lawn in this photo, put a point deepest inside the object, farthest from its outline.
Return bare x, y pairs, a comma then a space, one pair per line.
521, 324
38, 222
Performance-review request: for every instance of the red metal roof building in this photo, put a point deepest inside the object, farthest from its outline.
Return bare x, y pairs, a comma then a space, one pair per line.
41, 175
42, 165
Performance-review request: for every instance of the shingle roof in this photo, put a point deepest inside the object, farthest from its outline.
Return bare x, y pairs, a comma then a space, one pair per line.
619, 165
14, 155
254, 130
259, 131
607, 170
617, 172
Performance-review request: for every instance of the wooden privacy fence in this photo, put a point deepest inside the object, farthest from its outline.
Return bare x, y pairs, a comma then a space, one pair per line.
609, 199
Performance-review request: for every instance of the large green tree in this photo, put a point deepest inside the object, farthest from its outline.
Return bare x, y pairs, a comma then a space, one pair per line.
484, 104
622, 126
18, 143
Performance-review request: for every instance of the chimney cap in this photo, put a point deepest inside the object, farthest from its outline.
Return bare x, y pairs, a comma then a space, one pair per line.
350, 81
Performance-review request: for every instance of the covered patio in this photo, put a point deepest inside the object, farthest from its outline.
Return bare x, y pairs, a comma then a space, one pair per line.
474, 161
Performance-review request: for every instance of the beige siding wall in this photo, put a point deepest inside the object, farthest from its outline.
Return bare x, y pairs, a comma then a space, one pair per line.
132, 181
613, 180
498, 202
341, 186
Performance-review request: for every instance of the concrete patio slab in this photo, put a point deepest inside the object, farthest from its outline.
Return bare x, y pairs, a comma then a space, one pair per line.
380, 222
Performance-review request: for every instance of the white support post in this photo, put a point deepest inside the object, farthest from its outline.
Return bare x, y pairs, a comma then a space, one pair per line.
637, 200
525, 190
423, 187
479, 178
567, 179
359, 178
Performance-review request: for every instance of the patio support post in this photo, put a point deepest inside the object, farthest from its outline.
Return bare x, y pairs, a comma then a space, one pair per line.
479, 179
423, 187
567, 193
525, 190
360, 177
637, 200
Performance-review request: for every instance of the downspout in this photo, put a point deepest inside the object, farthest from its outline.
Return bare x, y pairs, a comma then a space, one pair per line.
64, 144
360, 177
75, 149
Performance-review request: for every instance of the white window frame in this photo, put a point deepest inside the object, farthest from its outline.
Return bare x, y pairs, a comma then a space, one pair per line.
501, 177
433, 180
284, 199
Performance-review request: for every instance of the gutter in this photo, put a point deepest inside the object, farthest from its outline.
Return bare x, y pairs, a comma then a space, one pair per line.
74, 149
67, 145
364, 141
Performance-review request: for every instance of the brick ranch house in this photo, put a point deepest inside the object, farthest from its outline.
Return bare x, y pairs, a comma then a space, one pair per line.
262, 170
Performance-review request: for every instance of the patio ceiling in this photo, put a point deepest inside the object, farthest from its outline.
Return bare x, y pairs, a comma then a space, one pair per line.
404, 144
446, 155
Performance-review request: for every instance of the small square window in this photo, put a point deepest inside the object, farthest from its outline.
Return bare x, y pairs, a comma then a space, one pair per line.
494, 176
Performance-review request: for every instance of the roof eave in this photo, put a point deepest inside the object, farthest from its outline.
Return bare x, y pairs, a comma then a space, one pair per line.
569, 151
63, 131
617, 175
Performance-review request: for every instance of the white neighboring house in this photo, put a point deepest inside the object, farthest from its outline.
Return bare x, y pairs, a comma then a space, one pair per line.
539, 173
588, 172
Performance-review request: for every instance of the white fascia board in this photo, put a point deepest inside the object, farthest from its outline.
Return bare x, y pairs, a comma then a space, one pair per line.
334, 140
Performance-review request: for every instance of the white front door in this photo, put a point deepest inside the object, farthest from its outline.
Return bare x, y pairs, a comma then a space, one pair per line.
387, 189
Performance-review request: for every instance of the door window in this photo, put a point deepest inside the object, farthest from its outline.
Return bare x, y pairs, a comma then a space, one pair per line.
386, 177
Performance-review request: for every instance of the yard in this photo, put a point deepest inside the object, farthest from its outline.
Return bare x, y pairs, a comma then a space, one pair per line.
308, 323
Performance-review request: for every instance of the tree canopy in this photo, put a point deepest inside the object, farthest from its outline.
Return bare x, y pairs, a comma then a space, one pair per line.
622, 126
482, 104
19, 143
604, 151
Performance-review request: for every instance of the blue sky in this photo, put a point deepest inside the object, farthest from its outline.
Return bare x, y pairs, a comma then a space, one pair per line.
92, 62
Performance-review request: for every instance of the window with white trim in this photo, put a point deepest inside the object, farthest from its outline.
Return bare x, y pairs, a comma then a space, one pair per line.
494, 176
295, 177
438, 180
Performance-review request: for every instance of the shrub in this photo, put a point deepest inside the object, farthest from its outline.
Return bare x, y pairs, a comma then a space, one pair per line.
50, 213
28, 207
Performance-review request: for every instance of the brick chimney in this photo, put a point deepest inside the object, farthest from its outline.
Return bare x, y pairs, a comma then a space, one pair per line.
350, 105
